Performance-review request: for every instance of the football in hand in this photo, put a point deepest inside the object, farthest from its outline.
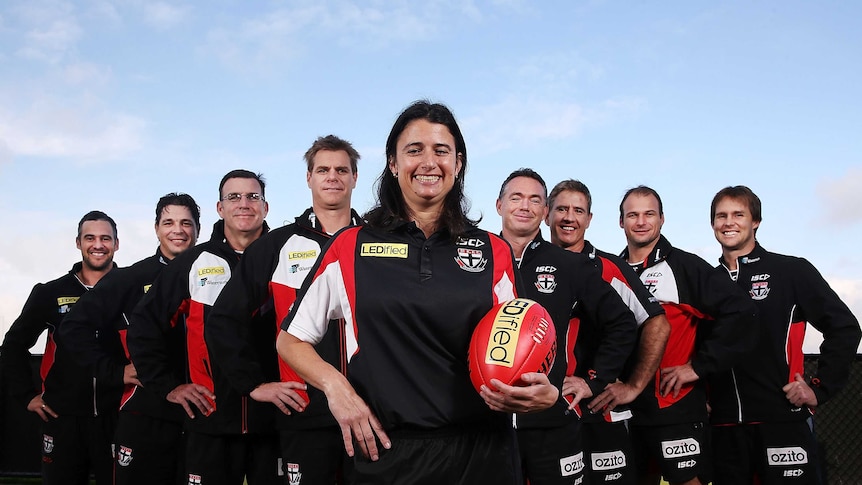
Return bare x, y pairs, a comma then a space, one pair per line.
513, 338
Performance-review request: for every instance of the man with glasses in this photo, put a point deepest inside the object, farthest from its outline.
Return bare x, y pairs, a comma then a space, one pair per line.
229, 437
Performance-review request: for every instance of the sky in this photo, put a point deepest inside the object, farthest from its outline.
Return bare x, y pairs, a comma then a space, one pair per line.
110, 104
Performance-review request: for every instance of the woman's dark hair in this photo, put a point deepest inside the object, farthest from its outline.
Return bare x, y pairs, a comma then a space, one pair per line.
390, 205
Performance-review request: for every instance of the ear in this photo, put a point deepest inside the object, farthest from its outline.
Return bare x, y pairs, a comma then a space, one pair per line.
499, 207
458, 163
308, 179
78, 242
355, 176
220, 209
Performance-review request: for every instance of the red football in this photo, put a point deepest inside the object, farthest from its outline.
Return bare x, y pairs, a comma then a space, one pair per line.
514, 337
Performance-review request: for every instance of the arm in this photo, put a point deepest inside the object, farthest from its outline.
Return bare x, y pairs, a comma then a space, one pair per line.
616, 329
727, 330
151, 326
653, 339
228, 332
823, 308
353, 415
20, 337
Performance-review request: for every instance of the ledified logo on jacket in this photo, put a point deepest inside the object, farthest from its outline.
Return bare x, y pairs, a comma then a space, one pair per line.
471, 260
124, 456
294, 476
47, 443
545, 283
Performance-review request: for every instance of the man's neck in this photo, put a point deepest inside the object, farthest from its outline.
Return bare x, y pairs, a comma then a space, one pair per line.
518, 243
730, 256
89, 276
240, 240
332, 220
640, 253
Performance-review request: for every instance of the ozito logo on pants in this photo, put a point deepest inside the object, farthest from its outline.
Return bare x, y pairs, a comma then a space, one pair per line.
572, 465
791, 455
608, 461
680, 448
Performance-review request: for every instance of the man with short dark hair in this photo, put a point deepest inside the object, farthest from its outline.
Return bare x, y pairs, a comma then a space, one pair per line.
607, 443
229, 437
267, 280
78, 418
148, 438
761, 405
669, 420
580, 303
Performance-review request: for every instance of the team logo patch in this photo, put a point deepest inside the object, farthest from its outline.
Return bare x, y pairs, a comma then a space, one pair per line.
47, 444
545, 283
791, 455
471, 260
124, 456
680, 448
759, 290
194, 479
383, 250
294, 476
651, 284
572, 465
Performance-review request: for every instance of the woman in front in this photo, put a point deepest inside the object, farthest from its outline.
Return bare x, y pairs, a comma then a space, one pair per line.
410, 287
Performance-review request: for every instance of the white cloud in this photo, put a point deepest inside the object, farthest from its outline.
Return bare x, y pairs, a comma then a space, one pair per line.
840, 196
163, 15
86, 74
265, 41
82, 130
51, 30
519, 120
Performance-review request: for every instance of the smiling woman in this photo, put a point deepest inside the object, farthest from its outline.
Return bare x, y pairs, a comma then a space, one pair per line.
411, 286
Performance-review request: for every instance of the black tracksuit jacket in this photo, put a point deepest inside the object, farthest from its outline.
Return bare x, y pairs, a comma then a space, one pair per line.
69, 388
95, 333
267, 279
788, 292
166, 338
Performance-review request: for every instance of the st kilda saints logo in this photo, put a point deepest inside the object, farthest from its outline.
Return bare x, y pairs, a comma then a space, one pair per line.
124, 456
545, 283
471, 260
47, 444
759, 287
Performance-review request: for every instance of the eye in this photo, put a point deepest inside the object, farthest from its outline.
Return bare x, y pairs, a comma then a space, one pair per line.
343, 170
441, 151
413, 151
578, 210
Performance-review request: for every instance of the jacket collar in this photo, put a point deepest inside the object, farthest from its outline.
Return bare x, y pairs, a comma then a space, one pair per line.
309, 220
658, 254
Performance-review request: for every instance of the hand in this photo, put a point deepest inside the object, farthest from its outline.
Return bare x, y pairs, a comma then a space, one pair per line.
38, 406
799, 393
536, 394
130, 375
188, 395
281, 394
577, 388
356, 420
614, 394
673, 378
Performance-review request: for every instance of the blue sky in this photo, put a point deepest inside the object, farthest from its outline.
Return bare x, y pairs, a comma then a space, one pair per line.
109, 104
